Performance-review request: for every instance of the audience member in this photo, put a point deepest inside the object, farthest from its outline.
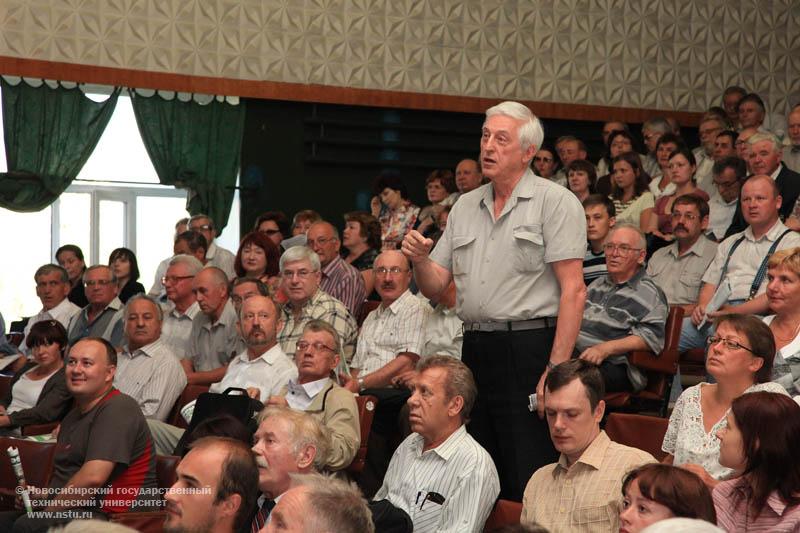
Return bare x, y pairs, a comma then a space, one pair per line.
709, 128
102, 316
633, 202
725, 145
758, 444
455, 482
600, 218
302, 220
315, 391
625, 311
444, 331
300, 271
656, 492
103, 442
751, 111
241, 289
679, 267
215, 256
652, 130
740, 358
215, 490
257, 258
581, 177
783, 296
38, 392
147, 370
729, 175
569, 149
545, 162
661, 184
70, 258
393, 209
765, 158
321, 504
739, 268
583, 487
791, 153
286, 442
441, 190
52, 288
214, 340
181, 306
609, 128
157, 289
274, 225
520, 289
618, 142
468, 175
730, 101
340, 279
742, 146
361, 240
123, 263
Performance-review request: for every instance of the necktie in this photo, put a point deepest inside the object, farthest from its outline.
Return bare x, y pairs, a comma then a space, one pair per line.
261, 515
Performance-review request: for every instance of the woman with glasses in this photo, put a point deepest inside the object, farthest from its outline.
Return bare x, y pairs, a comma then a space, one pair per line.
632, 201
440, 186
783, 296
258, 258
739, 358
393, 209
545, 163
122, 262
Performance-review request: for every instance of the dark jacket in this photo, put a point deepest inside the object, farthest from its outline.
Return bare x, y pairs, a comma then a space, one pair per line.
52, 405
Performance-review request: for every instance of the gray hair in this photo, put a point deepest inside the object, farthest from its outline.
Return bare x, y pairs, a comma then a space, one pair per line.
305, 431
201, 215
317, 326
142, 296
657, 124
633, 227
191, 262
530, 132
97, 267
300, 253
45, 270
765, 136
460, 381
334, 505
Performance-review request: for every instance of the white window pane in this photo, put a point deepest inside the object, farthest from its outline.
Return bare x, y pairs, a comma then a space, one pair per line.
155, 224
28, 248
230, 236
74, 215
111, 225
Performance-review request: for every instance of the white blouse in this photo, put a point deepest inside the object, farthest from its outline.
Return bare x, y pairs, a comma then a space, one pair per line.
26, 392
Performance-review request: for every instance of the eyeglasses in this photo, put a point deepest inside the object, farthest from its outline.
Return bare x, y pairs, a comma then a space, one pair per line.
316, 346
725, 185
729, 344
382, 271
302, 274
621, 249
101, 282
174, 279
688, 216
271, 231
203, 227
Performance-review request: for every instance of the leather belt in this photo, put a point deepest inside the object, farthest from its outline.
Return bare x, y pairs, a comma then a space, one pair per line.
516, 325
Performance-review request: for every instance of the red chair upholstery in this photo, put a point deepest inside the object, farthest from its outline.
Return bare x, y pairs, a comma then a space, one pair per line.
505, 513
366, 411
693, 362
5, 385
190, 392
366, 308
638, 431
142, 521
39, 429
166, 466
659, 370
37, 464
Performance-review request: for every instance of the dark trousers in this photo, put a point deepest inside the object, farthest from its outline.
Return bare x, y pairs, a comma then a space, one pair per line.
387, 431
615, 377
507, 367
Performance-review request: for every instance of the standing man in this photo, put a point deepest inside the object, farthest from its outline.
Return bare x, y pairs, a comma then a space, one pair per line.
515, 248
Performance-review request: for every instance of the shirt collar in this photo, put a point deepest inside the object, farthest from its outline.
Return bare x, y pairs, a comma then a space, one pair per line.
446, 449
148, 350
633, 282
770, 235
333, 265
190, 312
311, 388
270, 356
309, 303
592, 456
211, 251
697, 248
523, 189
777, 171
397, 304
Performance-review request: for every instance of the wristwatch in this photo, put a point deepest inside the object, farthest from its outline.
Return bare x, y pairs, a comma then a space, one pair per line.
360, 382
550, 365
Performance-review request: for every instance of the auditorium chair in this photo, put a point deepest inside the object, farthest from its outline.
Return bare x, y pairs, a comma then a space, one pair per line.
639, 431
659, 369
366, 411
505, 513
693, 362
366, 308
37, 465
190, 392
152, 521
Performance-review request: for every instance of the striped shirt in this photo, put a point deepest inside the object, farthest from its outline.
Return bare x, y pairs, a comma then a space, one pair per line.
389, 331
459, 470
345, 283
732, 503
584, 497
594, 265
615, 311
152, 376
176, 329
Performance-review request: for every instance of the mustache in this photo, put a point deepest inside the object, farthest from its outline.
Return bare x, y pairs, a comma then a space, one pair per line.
679, 226
261, 462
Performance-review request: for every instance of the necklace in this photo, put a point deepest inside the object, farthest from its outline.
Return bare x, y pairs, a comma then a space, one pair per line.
782, 338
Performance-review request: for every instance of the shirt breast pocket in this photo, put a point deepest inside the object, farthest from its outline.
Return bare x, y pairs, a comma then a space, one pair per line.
529, 244
592, 515
463, 251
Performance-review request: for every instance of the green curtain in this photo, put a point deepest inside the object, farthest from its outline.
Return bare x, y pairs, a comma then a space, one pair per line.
49, 134
196, 147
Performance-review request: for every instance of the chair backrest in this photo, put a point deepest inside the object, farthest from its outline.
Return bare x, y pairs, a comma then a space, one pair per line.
5, 385
166, 465
638, 431
366, 411
366, 308
190, 392
505, 513
36, 458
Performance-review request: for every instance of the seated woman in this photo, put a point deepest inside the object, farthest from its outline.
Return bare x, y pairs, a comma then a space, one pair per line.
122, 262
783, 295
38, 393
739, 358
545, 162
655, 492
361, 244
632, 201
393, 209
440, 187
759, 444
258, 258
661, 183
581, 176
619, 142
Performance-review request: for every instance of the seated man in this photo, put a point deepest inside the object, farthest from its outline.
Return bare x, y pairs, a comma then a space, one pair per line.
582, 491
191, 243
737, 276
725, 145
262, 369
102, 317
243, 288
214, 340
569, 149
600, 218
227, 468
318, 503
729, 175
625, 311
52, 288
286, 442
147, 370
215, 256
339, 279
103, 444
300, 273
455, 482
468, 175
314, 392
181, 305
679, 267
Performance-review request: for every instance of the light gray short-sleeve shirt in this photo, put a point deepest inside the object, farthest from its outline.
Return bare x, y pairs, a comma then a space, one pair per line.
501, 267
